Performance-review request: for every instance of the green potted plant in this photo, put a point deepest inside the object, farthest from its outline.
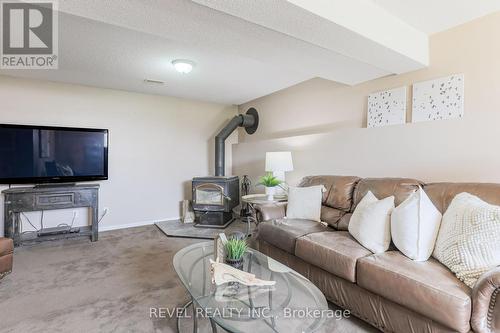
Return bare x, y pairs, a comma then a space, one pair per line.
271, 183
235, 249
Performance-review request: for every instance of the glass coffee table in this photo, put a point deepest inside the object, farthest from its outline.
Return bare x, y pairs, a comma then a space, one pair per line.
293, 304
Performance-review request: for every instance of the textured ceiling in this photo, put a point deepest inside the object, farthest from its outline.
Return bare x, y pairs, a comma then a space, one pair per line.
243, 49
377, 38
201, 27
108, 56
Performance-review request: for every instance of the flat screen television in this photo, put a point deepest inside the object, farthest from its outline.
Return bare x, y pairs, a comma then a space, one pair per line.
42, 154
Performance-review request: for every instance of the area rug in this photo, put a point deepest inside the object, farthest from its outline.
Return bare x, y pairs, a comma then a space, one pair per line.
187, 230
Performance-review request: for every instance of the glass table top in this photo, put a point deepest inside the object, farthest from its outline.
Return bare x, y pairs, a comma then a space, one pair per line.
263, 199
293, 304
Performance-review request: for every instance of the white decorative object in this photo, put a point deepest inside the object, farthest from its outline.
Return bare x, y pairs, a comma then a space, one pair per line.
468, 241
220, 246
187, 212
305, 202
387, 108
438, 99
222, 273
270, 191
415, 226
370, 223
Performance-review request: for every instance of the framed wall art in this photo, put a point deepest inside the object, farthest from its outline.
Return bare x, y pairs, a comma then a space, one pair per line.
387, 108
438, 99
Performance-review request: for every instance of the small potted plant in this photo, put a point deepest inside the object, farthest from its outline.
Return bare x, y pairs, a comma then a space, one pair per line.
271, 183
235, 249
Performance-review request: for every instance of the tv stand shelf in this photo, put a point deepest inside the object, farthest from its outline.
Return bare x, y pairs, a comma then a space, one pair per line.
28, 199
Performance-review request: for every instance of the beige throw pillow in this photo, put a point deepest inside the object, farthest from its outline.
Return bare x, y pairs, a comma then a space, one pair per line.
468, 241
305, 202
370, 223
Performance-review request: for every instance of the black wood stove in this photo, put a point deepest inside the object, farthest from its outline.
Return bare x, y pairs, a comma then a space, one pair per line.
214, 197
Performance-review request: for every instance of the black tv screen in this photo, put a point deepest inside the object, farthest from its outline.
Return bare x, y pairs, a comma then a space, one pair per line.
41, 154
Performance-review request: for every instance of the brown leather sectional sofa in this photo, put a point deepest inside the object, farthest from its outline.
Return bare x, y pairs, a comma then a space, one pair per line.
6, 255
389, 291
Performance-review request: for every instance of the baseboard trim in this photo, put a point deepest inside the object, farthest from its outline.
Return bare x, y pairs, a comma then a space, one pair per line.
135, 224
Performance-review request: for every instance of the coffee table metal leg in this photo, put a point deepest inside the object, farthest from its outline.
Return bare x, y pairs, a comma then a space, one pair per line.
273, 321
184, 312
195, 320
214, 325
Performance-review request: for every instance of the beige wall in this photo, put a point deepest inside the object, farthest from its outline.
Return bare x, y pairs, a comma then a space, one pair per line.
322, 122
157, 143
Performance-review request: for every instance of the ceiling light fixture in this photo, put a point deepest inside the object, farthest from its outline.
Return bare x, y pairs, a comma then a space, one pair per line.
183, 66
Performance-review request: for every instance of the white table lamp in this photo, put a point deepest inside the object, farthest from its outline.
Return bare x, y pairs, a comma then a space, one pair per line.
278, 163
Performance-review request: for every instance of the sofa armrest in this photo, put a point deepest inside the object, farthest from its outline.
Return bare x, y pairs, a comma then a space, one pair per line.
486, 303
270, 211
6, 256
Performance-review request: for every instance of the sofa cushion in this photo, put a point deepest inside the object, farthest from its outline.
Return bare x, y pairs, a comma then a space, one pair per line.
331, 216
468, 239
335, 252
5, 264
441, 194
339, 189
6, 246
415, 225
426, 287
343, 223
284, 233
400, 188
370, 223
266, 212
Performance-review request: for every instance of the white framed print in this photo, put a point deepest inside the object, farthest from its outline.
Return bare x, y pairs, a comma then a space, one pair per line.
438, 99
387, 108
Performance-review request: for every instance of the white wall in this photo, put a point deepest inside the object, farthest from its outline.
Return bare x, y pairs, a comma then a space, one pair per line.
156, 144
323, 122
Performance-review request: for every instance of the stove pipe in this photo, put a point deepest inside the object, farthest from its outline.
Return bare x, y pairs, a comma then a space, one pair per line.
250, 121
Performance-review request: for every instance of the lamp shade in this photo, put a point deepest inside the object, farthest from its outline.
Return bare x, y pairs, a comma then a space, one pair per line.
279, 161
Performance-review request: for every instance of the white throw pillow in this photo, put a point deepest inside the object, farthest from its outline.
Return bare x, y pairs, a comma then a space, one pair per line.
370, 223
305, 202
415, 226
468, 242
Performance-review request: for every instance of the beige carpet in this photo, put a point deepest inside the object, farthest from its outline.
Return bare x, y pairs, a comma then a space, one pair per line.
107, 286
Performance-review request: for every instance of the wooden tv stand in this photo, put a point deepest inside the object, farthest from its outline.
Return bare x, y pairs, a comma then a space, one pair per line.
29, 199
